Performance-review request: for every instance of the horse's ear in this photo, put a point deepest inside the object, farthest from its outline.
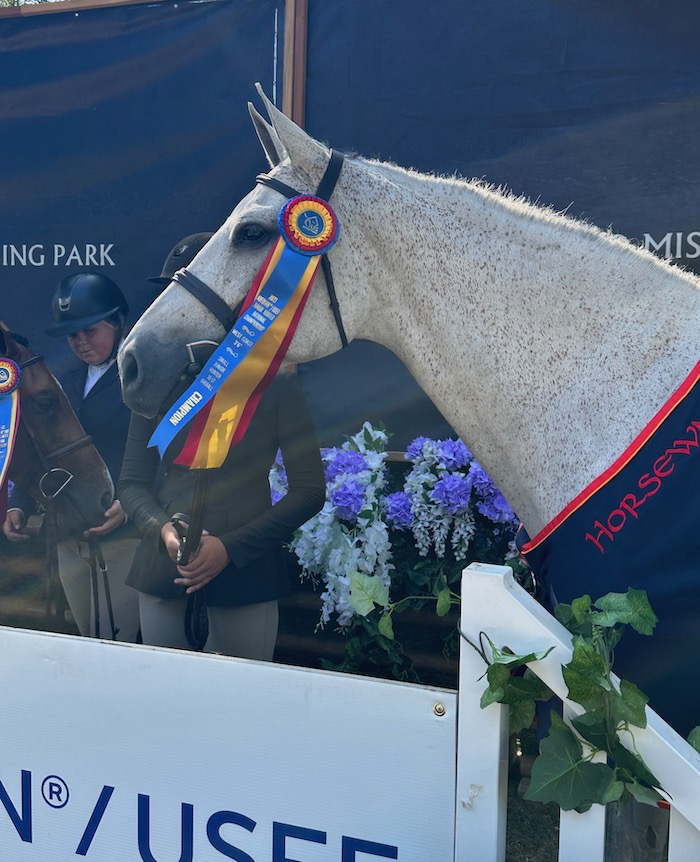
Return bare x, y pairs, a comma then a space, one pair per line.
306, 155
267, 137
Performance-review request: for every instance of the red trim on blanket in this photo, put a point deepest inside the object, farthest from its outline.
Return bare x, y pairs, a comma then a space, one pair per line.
638, 443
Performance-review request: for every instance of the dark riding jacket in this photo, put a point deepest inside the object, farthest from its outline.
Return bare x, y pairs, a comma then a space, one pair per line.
239, 509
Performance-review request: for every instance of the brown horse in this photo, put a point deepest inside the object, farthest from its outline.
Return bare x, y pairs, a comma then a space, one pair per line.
53, 458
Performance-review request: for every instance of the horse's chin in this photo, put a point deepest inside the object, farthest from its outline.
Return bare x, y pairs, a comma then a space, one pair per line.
137, 405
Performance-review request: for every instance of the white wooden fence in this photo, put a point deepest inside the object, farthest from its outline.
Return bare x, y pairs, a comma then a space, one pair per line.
122, 753
493, 603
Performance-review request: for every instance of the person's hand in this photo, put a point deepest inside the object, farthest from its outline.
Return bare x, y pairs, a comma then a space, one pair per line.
115, 516
171, 540
209, 560
12, 528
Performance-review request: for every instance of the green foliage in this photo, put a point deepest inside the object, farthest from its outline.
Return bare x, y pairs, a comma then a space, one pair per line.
370, 648
569, 769
694, 738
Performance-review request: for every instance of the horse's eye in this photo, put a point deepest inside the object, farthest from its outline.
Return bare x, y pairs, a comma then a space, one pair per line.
44, 402
251, 235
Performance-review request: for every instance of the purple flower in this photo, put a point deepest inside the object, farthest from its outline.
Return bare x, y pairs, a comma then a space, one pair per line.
276, 495
496, 507
453, 492
348, 500
493, 504
415, 449
346, 461
481, 481
398, 510
453, 454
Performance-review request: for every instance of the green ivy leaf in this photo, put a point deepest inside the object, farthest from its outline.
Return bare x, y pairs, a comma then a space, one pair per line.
592, 726
645, 795
569, 619
633, 765
521, 715
613, 792
630, 608
386, 626
630, 705
444, 602
497, 675
513, 660
586, 675
580, 607
560, 774
491, 695
526, 687
365, 592
694, 738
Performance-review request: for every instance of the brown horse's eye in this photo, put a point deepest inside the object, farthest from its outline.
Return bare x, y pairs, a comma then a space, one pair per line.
252, 235
44, 402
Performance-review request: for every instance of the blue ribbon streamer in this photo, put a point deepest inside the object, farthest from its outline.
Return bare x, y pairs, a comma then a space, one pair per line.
8, 423
244, 335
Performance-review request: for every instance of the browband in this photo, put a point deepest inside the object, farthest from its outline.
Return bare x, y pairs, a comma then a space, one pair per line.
324, 191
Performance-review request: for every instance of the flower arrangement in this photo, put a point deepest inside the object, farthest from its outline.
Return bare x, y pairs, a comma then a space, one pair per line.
347, 544
390, 538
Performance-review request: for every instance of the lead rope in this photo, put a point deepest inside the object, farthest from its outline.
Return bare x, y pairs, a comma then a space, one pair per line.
189, 528
97, 561
51, 556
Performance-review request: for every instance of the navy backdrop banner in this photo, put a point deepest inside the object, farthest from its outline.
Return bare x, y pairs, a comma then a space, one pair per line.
589, 106
124, 129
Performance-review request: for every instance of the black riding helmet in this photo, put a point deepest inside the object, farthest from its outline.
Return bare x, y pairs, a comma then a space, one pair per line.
181, 255
83, 299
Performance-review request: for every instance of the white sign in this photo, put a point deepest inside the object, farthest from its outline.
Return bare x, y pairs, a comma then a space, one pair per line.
121, 753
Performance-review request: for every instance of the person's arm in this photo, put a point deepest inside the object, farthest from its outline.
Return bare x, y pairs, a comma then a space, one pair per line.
135, 488
307, 490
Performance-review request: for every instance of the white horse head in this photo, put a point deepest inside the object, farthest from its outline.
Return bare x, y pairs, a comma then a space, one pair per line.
546, 343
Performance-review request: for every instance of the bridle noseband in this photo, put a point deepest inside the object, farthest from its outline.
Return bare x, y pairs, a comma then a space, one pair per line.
216, 305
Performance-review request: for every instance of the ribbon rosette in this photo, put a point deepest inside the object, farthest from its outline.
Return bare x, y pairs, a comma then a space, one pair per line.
223, 399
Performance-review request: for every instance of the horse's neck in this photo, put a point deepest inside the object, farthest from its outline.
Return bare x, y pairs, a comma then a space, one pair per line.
546, 344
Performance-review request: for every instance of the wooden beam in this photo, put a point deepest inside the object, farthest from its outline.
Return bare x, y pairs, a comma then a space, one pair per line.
62, 6
294, 61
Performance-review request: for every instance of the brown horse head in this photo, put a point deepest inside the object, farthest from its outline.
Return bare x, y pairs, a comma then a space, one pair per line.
53, 458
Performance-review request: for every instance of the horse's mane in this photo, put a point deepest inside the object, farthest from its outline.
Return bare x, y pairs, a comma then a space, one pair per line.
449, 191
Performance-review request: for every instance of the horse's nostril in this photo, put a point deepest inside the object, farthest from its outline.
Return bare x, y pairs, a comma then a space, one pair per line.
106, 500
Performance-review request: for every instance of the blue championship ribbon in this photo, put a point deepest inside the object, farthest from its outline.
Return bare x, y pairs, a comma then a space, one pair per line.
9, 412
308, 228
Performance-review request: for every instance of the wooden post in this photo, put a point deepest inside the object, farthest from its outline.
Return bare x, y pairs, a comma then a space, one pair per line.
294, 66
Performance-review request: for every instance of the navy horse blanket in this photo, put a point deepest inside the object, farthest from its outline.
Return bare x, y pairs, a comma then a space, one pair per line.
638, 525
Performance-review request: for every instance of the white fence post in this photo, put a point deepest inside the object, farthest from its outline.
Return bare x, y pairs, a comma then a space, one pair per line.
494, 604
482, 760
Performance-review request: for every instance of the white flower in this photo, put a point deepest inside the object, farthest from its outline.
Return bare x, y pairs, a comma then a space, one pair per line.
330, 547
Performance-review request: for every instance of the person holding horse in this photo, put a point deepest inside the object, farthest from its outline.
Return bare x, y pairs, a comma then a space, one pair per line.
90, 309
237, 574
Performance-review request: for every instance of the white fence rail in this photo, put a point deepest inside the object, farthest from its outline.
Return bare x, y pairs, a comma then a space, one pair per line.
121, 753
493, 603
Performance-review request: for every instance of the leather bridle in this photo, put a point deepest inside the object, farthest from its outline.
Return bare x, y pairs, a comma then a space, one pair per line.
49, 494
49, 459
218, 307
